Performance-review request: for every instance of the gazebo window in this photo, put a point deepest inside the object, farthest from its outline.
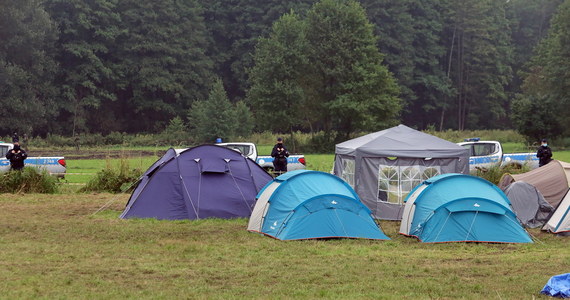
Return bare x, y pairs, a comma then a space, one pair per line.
388, 183
396, 182
348, 168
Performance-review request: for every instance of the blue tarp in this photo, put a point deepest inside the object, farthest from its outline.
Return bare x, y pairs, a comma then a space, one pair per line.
558, 286
201, 182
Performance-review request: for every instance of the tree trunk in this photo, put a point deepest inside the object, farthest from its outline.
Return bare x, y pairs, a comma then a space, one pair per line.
293, 140
460, 81
441, 119
449, 60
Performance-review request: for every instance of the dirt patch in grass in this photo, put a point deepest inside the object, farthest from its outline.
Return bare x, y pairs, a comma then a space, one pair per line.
98, 154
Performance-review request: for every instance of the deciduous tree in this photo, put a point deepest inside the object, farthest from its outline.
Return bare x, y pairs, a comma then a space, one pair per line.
27, 67
546, 91
325, 69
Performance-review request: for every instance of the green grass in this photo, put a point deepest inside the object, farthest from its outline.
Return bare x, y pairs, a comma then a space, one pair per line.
264, 149
319, 162
52, 246
561, 155
517, 148
81, 170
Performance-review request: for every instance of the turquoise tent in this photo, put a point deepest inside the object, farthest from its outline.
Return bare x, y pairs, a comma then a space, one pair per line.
460, 208
310, 204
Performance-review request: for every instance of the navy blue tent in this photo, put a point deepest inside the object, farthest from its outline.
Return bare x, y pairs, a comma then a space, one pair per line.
201, 182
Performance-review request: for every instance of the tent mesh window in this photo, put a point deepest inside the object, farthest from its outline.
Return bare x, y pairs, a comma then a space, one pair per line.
396, 182
348, 171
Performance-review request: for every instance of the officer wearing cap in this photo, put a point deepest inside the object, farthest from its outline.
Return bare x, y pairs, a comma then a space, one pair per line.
544, 153
280, 154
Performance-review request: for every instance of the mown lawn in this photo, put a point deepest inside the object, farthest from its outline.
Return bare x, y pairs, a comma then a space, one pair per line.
52, 246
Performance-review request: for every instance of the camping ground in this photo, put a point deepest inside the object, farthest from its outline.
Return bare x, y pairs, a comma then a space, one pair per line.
59, 246
54, 246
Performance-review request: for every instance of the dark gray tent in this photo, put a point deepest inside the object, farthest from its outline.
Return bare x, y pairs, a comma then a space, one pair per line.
528, 203
383, 167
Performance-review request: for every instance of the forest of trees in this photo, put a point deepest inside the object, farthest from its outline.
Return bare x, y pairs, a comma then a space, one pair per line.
99, 66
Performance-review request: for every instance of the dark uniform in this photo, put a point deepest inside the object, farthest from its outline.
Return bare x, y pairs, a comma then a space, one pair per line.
544, 155
16, 157
280, 154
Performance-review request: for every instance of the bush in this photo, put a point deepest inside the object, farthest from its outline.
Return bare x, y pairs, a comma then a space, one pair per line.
29, 180
494, 173
142, 139
58, 140
114, 138
560, 143
319, 143
503, 136
175, 134
113, 179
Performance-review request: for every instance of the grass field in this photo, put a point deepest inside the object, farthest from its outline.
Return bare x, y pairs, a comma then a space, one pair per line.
81, 170
54, 246
60, 246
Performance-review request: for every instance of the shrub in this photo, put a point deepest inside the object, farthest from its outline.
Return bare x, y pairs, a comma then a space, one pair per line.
503, 136
29, 180
560, 143
144, 140
175, 134
113, 179
114, 138
319, 142
58, 140
494, 173
261, 138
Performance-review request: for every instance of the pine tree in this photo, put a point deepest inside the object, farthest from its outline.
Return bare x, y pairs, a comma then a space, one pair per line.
214, 117
244, 120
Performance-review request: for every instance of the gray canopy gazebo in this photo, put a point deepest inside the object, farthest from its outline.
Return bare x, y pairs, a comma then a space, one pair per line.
383, 167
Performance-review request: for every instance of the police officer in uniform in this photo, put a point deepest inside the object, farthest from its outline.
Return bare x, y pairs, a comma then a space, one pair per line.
544, 153
280, 154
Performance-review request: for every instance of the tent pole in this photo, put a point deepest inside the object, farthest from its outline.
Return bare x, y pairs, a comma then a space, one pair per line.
186, 189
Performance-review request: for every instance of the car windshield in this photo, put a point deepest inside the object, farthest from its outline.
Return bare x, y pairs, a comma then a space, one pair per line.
243, 149
483, 149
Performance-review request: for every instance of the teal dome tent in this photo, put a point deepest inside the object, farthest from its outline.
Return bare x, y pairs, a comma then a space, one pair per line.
460, 208
310, 204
